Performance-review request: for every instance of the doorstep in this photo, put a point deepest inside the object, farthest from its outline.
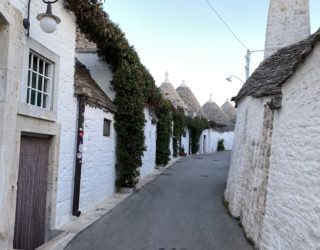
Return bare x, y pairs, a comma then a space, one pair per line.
70, 230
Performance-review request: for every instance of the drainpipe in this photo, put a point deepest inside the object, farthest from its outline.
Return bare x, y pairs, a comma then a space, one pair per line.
78, 165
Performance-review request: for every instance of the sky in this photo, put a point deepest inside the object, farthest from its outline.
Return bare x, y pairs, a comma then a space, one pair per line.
186, 39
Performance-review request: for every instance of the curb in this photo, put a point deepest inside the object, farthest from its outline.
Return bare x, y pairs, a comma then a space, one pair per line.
88, 218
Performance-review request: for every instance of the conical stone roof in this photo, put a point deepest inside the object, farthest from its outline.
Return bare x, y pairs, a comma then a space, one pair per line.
168, 92
215, 114
189, 99
229, 110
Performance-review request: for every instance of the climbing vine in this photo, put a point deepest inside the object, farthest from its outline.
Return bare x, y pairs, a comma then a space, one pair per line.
133, 84
196, 126
179, 124
164, 132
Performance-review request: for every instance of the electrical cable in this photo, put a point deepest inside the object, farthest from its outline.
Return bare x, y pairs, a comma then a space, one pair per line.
227, 26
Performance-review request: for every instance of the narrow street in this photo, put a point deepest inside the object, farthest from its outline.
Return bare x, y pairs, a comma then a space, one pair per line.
182, 209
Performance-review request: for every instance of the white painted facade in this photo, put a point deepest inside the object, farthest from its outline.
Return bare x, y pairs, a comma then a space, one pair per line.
228, 138
209, 140
273, 183
246, 186
293, 202
150, 133
185, 141
17, 117
99, 158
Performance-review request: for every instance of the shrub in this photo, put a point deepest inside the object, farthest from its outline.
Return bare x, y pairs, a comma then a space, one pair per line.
220, 145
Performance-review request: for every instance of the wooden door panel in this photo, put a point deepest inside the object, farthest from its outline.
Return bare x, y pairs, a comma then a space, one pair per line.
32, 193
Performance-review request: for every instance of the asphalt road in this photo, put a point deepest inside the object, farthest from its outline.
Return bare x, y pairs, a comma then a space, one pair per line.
180, 210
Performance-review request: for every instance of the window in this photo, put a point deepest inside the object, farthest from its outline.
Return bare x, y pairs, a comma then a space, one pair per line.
39, 82
106, 127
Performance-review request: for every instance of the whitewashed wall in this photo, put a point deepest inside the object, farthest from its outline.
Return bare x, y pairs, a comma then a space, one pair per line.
62, 42
212, 140
99, 70
185, 141
293, 203
247, 179
203, 146
288, 23
171, 143
228, 138
99, 157
278, 197
149, 158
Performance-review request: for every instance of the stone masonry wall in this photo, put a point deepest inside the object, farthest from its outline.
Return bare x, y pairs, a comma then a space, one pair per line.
246, 186
293, 203
149, 158
288, 23
99, 159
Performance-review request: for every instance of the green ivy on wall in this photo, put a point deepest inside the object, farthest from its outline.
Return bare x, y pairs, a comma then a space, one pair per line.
196, 126
164, 132
179, 124
133, 84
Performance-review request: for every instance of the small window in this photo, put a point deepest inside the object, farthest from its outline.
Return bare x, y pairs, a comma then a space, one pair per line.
106, 127
39, 82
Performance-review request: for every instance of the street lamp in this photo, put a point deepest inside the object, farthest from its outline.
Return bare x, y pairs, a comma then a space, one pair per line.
229, 79
48, 21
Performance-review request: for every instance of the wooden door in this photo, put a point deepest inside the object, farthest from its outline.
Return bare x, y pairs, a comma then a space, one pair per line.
29, 230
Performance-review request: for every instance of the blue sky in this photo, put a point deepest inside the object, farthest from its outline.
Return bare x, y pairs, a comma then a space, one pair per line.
185, 38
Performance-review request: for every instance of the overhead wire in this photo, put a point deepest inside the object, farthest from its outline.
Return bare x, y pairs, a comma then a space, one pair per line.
225, 24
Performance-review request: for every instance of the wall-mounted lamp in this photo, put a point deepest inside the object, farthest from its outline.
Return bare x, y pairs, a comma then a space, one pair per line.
229, 79
48, 21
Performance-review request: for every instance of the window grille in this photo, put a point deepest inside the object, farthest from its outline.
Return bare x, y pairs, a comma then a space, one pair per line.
39, 89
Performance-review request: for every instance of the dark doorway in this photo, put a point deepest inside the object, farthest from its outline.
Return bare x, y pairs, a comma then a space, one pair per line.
30, 221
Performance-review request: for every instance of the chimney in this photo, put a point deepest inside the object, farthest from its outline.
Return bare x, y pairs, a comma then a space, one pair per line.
288, 23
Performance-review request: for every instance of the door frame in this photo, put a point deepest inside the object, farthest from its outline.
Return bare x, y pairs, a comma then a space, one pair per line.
52, 132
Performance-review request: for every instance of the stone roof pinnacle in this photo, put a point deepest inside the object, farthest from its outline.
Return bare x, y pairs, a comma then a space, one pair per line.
183, 84
210, 99
166, 80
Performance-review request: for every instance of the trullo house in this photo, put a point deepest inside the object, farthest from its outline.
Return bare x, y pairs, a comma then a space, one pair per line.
186, 94
273, 183
220, 128
169, 92
56, 121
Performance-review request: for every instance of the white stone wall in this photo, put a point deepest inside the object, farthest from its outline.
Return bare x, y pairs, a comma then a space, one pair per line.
171, 143
288, 23
99, 158
293, 203
149, 158
204, 146
273, 182
185, 141
61, 42
212, 141
246, 186
99, 70
228, 138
